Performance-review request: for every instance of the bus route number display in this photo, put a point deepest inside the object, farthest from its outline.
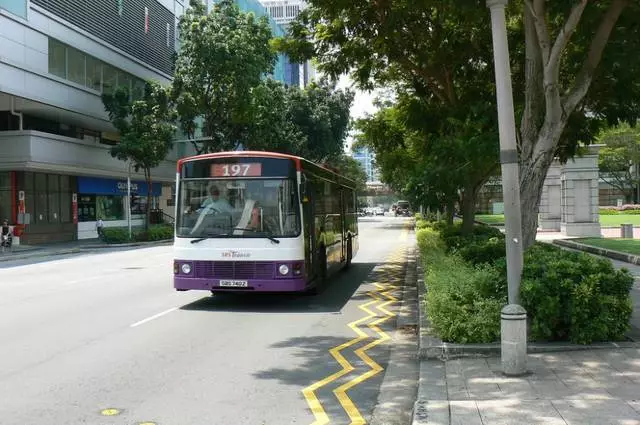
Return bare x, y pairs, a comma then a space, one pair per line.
236, 170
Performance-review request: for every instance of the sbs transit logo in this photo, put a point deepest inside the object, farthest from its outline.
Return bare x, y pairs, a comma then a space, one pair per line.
235, 254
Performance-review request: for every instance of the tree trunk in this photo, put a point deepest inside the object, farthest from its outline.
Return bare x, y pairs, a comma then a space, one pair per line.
147, 175
450, 211
468, 209
533, 172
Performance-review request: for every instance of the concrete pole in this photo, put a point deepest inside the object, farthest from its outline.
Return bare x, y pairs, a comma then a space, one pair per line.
513, 318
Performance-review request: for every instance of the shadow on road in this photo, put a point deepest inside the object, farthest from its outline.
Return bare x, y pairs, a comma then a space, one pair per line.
339, 291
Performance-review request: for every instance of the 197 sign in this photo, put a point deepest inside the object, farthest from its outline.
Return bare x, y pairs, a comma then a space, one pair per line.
236, 170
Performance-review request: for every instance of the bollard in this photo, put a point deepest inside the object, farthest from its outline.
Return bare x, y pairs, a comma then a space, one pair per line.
626, 231
513, 330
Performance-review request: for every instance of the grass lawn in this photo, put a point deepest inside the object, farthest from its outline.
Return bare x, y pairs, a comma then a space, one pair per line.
617, 220
490, 219
630, 246
605, 220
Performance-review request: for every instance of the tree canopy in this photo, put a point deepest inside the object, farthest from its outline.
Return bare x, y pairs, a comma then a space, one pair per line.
223, 56
572, 65
146, 128
312, 122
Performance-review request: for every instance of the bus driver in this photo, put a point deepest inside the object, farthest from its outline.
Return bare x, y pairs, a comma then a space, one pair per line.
215, 202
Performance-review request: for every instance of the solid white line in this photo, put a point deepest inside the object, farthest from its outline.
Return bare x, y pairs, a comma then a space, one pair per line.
155, 316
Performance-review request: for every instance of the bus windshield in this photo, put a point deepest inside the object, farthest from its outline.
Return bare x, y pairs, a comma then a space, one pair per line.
210, 208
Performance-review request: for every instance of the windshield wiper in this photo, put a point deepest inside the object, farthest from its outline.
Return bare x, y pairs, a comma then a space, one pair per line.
209, 236
266, 234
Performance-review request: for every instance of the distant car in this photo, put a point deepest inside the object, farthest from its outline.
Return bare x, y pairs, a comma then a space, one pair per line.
379, 211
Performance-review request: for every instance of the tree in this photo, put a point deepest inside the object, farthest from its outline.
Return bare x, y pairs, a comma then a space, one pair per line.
312, 123
223, 56
622, 150
352, 169
435, 46
429, 155
272, 127
146, 128
565, 46
322, 114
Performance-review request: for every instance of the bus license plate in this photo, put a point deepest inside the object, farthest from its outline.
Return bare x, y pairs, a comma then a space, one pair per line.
234, 283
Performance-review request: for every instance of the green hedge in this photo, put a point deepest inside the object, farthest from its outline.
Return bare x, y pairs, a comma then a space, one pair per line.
568, 296
116, 235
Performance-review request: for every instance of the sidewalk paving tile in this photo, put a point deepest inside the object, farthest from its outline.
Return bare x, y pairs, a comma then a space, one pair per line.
465, 413
514, 411
597, 412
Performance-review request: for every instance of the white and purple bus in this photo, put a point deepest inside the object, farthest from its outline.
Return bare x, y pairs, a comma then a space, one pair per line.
261, 222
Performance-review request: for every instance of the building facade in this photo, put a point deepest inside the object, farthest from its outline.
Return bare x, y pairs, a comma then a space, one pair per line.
283, 12
367, 159
56, 59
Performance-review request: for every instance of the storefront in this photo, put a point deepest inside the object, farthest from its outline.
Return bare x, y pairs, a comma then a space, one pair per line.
107, 199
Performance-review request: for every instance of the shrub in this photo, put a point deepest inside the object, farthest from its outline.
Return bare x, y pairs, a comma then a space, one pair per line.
574, 296
429, 241
481, 251
159, 233
116, 235
457, 309
608, 211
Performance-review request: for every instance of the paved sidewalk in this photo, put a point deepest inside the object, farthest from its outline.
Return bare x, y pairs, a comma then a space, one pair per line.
581, 387
20, 252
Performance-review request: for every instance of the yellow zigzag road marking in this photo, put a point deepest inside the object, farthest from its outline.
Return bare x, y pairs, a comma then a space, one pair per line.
314, 404
320, 415
341, 392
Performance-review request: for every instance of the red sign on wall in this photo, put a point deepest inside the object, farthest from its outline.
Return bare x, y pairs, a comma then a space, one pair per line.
74, 208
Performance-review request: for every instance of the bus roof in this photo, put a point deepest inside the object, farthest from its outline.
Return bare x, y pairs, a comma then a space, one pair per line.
300, 162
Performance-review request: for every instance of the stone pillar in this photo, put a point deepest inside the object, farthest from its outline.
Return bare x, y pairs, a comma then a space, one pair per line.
580, 196
550, 212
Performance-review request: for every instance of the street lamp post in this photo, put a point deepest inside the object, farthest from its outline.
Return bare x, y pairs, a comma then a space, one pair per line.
514, 317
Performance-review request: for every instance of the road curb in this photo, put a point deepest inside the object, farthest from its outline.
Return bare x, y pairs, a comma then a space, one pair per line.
615, 255
431, 347
128, 245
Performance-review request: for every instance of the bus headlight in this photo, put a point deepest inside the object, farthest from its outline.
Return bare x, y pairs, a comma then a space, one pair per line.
186, 268
283, 269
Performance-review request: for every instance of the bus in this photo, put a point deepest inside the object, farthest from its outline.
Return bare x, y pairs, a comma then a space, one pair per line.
261, 222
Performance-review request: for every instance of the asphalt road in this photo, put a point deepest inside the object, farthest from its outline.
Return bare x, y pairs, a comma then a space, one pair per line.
104, 339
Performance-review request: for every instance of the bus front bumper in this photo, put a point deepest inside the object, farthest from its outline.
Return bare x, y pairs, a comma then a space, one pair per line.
248, 285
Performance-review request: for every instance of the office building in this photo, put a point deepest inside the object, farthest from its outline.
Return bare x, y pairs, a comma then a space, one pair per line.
283, 12
366, 158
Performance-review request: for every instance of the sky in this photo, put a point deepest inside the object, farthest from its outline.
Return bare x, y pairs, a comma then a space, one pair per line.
362, 103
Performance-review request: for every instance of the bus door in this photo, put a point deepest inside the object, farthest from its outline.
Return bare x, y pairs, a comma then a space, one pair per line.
343, 223
309, 228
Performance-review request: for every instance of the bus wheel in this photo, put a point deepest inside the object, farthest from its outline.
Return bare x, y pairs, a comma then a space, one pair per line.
349, 252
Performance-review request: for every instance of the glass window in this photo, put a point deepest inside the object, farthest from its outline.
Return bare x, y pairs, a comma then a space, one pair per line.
17, 7
94, 74
138, 89
40, 182
5, 180
86, 208
40, 213
65, 207
5, 204
57, 58
124, 81
54, 207
109, 78
110, 207
65, 183
238, 208
76, 66
54, 183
